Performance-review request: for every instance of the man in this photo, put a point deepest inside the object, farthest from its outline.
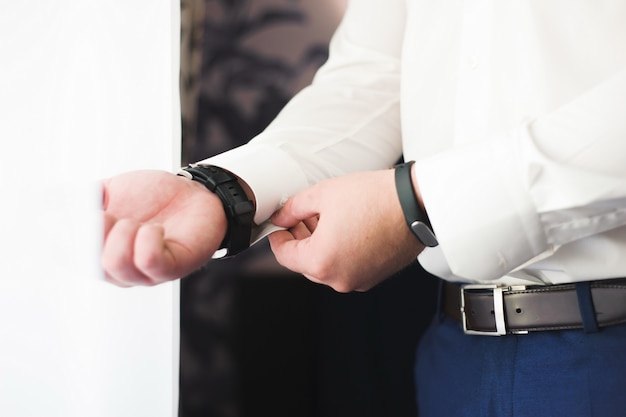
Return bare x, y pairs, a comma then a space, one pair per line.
514, 114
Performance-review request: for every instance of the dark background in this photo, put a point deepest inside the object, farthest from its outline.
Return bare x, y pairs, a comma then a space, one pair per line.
256, 339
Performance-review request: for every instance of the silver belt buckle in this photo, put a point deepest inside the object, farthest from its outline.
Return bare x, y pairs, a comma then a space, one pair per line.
498, 308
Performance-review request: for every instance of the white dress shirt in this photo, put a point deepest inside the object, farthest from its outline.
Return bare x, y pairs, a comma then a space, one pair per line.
515, 112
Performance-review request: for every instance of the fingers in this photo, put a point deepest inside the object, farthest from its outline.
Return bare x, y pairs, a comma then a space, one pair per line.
303, 230
153, 255
311, 223
299, 207
290, 251
136, 254
109, 221
306, 257
288, 241
294, 248
105, 194
118, 252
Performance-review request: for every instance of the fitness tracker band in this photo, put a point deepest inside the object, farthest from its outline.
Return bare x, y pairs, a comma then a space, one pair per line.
415, 216
239, 209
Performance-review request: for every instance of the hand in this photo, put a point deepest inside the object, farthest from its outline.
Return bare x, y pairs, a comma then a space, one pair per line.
347, 232
158, 227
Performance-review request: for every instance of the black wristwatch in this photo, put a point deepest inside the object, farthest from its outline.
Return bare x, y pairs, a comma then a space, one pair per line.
415, 215
239, 209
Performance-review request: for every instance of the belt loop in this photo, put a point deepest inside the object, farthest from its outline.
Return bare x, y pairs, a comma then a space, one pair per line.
585, 305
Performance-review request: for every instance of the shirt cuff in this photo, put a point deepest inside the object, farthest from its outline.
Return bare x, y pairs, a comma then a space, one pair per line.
478, 203
272, 175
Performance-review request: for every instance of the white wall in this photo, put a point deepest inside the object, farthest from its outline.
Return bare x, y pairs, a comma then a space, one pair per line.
88, 88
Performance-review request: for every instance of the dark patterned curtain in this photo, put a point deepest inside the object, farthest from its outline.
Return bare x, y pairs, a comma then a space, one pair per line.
247, 58
241, 61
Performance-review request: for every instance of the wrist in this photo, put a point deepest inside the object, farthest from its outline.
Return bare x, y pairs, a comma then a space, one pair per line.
413, 208
238, 208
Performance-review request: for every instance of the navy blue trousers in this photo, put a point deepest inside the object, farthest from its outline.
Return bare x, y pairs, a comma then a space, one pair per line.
557, 373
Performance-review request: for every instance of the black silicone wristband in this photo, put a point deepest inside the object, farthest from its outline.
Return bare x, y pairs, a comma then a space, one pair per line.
239, 209
415, 216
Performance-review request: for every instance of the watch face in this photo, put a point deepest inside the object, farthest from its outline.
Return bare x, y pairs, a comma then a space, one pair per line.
424, 234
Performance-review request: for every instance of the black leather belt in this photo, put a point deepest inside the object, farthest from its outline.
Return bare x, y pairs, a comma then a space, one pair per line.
493, 310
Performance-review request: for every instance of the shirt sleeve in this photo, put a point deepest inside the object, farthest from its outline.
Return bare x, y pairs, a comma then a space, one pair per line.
499, 203
347, 120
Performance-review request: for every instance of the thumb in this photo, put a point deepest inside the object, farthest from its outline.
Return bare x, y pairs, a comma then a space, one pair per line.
301, 206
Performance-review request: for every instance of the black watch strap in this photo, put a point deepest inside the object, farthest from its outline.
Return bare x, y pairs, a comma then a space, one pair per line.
416, 217
239, 209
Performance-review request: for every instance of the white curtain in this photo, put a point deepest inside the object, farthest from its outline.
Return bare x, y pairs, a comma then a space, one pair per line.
88, 88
